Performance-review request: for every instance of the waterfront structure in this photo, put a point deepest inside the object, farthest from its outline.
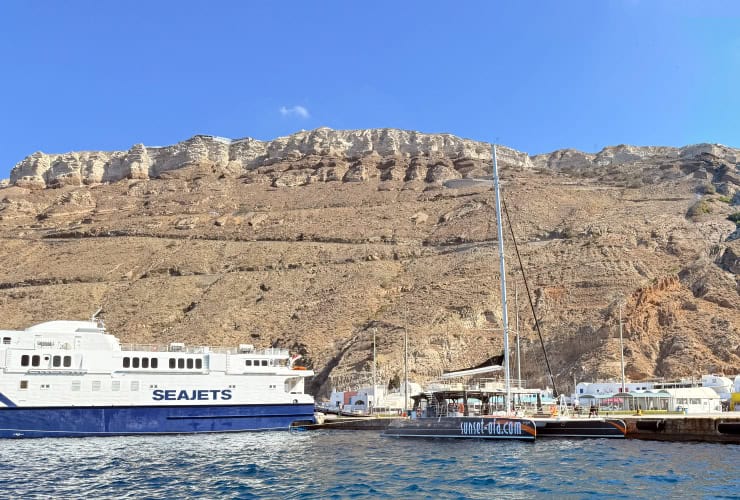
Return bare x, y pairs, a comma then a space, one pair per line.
363, 401
695, 400
73, 378
669, 395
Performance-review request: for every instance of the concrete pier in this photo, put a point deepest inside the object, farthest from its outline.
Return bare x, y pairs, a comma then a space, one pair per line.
710, 428
353, 423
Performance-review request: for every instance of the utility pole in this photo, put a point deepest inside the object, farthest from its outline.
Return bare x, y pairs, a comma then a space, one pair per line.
405, 361
621, 344
375, 373
518, 352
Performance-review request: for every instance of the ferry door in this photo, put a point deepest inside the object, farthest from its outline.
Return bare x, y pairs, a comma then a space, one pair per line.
78, 342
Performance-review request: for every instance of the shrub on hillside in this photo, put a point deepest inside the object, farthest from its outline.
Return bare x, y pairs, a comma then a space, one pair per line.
701, 207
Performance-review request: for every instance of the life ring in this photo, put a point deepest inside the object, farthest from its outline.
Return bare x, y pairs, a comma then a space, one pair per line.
461, 408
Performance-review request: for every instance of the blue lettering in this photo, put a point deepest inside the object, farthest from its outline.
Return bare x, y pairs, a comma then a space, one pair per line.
192, 395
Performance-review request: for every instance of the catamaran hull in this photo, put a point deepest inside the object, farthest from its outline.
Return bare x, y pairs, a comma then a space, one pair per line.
115, 421
465, 428
580, 428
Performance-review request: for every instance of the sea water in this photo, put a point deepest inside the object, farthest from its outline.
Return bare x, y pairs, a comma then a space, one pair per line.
346, 464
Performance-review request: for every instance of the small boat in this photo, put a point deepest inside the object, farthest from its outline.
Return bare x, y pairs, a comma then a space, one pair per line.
480, 398
74, 379
448, 413
489, 424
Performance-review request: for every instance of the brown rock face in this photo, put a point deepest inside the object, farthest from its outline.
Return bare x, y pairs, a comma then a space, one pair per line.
315, 250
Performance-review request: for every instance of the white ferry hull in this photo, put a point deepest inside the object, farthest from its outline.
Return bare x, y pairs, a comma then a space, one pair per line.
111, 421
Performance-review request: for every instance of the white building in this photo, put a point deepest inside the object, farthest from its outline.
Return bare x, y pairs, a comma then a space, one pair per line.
695, 400
721, 385
600, 388
363, 400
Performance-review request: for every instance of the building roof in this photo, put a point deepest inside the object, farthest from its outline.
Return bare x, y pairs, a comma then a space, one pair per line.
693, 392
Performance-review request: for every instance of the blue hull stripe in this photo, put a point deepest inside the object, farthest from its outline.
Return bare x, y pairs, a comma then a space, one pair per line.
4, 400
101, 421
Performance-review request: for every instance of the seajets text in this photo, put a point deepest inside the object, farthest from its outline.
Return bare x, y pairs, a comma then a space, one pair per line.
192, 395
491, 428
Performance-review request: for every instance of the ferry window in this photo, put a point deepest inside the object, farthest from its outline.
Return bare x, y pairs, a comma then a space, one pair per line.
96, 385
35, 360
67, 361
248, 362
24, 384
695, 401
115, 385
6, 340
181, 363
135, 385
126, 362
24, 360
190, 363
264, 362
172, 362
198, 364
135, 362
145, 362
154, 362
56, 361
76, 385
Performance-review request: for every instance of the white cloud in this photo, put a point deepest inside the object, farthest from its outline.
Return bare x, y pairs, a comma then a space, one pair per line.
295, 110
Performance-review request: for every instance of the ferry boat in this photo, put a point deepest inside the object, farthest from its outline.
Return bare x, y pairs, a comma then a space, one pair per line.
73, 378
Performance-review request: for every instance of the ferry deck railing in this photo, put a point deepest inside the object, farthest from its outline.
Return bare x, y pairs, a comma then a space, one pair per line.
180, 349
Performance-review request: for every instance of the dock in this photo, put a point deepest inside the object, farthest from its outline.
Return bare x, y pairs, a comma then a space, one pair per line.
369, 423
708, 428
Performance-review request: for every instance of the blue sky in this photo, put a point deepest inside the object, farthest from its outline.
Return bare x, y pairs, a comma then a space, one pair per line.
533, 75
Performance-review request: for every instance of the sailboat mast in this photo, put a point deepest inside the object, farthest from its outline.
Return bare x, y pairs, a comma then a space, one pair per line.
504, 308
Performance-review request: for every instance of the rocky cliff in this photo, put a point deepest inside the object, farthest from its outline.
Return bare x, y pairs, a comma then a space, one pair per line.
321, 154
316, 240
328, 155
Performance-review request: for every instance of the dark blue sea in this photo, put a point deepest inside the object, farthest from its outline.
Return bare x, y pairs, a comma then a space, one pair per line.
343, 464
